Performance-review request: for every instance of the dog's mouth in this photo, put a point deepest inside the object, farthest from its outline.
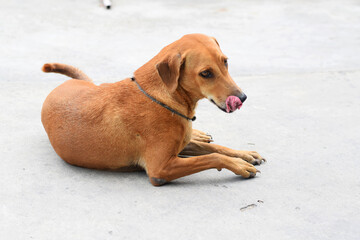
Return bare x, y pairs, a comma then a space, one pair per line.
232, 103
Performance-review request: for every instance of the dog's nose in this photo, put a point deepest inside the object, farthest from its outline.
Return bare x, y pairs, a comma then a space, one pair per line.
242, 97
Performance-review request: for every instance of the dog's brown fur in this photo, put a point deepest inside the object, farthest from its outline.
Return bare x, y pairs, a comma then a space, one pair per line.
115, 126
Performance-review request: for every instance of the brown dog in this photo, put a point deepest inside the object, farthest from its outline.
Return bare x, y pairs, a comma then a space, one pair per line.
118, 126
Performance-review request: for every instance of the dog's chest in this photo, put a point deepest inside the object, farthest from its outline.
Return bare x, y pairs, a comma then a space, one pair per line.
187, 137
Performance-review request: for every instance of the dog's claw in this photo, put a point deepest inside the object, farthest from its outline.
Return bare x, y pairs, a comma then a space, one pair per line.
211, 138
259, 161
253, 174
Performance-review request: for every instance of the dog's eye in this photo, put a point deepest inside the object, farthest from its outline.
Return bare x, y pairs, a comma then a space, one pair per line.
226, 63
206, 74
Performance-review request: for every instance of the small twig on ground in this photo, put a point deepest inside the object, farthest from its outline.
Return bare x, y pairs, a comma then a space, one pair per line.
250, 206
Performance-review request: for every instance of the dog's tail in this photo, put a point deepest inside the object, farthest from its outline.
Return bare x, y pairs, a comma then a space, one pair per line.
67, 70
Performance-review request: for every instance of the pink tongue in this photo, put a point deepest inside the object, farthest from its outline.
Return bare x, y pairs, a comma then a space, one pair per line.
233, 103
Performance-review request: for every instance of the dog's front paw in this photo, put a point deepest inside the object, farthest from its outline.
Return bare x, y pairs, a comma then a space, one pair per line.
201, 136
251, 157
243, 168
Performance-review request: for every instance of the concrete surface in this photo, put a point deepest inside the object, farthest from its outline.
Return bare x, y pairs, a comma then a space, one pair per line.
299, 64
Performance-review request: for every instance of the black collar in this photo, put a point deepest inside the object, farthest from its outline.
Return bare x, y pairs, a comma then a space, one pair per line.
162, 104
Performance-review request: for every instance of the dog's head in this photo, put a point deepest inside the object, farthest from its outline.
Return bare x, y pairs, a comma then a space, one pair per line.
196, 65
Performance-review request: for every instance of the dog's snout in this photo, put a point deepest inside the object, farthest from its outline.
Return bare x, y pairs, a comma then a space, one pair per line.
242, 97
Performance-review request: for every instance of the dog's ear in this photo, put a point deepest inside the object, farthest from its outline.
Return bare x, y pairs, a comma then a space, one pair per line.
169, 71
216, 41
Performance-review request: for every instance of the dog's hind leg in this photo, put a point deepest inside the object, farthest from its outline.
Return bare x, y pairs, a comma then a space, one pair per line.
132, 168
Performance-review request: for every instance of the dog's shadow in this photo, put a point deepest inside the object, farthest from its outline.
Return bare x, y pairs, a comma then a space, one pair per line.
214, 182
141, 176
103, 173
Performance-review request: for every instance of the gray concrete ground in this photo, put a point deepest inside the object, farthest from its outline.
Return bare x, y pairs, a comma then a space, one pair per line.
298, 62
